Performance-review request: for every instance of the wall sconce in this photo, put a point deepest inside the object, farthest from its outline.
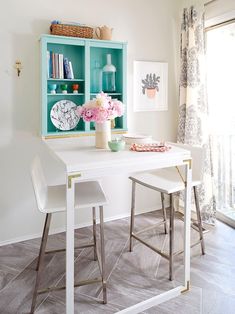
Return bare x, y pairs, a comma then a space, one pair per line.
18, 67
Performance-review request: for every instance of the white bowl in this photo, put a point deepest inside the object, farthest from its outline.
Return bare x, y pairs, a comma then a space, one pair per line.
137, 138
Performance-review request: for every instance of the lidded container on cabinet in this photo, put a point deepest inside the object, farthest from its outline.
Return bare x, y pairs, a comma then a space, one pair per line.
109, 76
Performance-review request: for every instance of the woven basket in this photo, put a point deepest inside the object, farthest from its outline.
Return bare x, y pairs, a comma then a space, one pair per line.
71, 30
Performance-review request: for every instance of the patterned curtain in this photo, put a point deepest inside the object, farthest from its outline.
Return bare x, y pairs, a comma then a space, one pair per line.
193, 110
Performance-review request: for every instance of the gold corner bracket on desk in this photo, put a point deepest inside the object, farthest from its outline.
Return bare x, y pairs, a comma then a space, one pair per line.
71, 177
189, 162
187, 288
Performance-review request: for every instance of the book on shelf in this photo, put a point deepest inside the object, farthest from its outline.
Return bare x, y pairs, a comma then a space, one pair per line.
48, 64
61, 66
67, 70
53, 65
71, 69
57, 65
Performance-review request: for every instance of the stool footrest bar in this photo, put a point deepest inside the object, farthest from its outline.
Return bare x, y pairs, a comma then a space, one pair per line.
151, 227
192, 245
79, 284
151, 247
76, 248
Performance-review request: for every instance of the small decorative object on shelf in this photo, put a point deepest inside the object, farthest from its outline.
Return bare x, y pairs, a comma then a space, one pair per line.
104, 32
64, 88
52, 88
109, 73
101, 110
75, 88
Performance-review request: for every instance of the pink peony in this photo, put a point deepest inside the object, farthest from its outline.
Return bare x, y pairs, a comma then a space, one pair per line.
118, 107
79, 111
88, 115
101, 115
100, 109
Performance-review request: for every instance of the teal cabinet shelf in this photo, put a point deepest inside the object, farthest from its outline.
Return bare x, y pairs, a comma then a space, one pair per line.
68, 94
84, 55
65, 80
110, 94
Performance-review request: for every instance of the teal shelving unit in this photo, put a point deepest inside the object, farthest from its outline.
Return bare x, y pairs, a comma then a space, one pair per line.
83, 53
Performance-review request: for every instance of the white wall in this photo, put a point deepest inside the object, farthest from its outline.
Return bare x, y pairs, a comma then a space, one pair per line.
150, 27
219, 7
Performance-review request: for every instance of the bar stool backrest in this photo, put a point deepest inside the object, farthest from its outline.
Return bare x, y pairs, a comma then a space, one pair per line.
198, 156
39, 183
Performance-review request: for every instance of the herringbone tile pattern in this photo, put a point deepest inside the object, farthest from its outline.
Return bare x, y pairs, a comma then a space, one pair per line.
132, 277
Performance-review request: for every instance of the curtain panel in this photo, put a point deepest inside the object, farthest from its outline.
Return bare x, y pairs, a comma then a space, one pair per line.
193, 108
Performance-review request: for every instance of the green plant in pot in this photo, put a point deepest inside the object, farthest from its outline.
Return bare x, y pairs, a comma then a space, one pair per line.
150, 85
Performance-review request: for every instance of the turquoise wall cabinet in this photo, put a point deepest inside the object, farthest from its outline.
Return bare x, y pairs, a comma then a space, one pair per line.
87, 56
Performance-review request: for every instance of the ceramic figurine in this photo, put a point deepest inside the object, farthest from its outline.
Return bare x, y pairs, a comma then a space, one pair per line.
52, 88
64, 88
75, 88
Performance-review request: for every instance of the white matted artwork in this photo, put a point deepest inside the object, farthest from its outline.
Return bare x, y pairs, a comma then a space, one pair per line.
150, 86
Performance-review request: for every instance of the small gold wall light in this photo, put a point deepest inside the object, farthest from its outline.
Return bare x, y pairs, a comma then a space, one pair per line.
18, 67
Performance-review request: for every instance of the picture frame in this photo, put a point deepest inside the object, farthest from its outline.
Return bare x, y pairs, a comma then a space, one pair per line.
150, 86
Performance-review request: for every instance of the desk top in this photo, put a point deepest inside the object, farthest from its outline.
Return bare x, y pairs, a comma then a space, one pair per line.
80, 155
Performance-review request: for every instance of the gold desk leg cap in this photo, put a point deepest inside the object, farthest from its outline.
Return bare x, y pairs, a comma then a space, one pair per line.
187, 288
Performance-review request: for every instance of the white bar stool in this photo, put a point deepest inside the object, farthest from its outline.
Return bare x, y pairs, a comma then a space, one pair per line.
170, 181
52, 199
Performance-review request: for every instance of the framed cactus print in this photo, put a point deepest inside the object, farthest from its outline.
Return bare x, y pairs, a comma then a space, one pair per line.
150, 86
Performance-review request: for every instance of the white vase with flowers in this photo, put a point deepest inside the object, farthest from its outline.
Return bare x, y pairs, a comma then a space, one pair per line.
101, 110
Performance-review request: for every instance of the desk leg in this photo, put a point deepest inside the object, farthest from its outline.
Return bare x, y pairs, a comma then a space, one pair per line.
187, 223
70, 247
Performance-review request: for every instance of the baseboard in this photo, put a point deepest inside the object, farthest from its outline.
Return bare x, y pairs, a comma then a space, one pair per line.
225, 219
77, 226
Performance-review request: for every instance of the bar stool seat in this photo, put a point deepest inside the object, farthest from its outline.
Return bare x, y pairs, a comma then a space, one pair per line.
169, 181
52, 199
164, 180
87, 194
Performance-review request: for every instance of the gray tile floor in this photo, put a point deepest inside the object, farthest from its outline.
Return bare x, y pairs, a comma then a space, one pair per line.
132, 277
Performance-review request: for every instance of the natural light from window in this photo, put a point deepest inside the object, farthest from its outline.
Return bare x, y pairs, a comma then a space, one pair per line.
221, 100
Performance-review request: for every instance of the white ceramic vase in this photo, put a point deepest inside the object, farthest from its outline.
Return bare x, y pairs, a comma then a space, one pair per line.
102, 134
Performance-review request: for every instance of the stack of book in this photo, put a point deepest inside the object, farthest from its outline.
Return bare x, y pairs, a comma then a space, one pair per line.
59, 67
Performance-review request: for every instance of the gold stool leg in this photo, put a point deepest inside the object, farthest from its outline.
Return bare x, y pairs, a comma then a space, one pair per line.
164, 212
102, 253
94, 232
132, 214
199, 220
40, 260
171, 237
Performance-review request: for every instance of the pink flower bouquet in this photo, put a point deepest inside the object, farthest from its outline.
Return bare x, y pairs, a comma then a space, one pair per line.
101, 109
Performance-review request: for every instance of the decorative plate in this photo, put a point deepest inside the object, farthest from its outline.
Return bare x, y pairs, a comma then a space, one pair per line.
63, 115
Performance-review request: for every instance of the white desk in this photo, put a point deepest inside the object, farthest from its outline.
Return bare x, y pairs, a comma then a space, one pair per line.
83, 161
